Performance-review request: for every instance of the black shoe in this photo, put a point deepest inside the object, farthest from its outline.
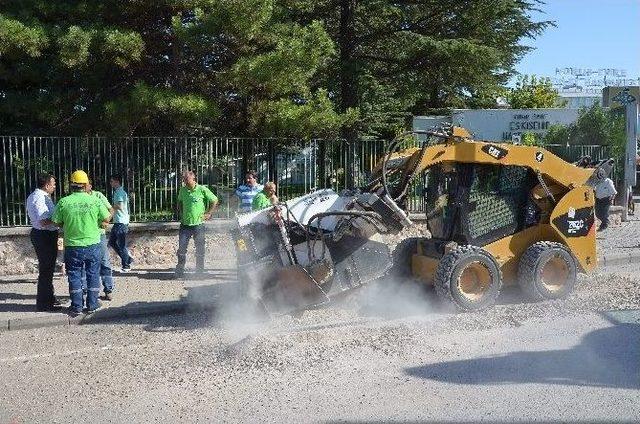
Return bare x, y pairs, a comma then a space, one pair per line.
73, 313
90, 311
49, 308
57, 302
107, 296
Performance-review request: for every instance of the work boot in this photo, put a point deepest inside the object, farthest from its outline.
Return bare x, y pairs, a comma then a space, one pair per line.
73, 313
90, 311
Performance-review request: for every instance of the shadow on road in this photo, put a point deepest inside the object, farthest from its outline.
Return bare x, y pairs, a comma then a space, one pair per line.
165, 274
606, 357
205, 305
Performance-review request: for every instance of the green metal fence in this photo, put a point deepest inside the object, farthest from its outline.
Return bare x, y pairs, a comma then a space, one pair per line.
151, 168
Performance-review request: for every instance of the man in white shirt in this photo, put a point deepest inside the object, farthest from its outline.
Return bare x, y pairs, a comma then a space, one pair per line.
605, 192
45, 240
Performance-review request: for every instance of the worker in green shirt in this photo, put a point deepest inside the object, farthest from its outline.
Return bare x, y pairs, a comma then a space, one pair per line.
195, 205
267, 197
81, 216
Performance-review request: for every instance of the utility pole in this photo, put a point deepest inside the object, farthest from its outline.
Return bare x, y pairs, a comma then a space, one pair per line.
631, 149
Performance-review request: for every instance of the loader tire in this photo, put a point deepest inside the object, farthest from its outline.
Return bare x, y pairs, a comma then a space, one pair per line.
547, 270
469, 277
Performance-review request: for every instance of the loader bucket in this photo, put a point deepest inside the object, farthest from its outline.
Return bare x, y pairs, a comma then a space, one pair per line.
292, 288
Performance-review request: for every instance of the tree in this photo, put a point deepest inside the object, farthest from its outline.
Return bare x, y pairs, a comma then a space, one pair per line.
252, 67
532, 93
161, 67
595, 125
402, 58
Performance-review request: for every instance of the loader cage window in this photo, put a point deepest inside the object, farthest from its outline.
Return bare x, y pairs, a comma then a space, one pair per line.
497, 202
476, 204
440, 187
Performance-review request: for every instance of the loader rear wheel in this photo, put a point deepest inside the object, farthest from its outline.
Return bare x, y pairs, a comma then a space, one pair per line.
469, 277
547, 270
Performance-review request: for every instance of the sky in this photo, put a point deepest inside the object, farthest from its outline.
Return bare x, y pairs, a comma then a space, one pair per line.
588, 34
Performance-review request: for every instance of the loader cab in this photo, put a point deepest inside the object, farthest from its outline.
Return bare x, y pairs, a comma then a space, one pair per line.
476, 203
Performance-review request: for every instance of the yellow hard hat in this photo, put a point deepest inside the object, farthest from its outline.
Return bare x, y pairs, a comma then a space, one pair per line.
79, 177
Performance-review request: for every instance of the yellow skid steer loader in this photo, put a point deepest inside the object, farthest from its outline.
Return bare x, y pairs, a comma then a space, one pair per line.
496, 214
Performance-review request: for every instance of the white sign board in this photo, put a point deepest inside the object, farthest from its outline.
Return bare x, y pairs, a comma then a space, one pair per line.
502, 124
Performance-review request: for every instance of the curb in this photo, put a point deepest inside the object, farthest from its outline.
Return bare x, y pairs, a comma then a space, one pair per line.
103, 315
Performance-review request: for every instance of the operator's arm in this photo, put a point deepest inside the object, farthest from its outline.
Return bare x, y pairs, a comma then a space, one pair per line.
213, 202
612, 190
104, 216
56, 218
110, 208
47, 222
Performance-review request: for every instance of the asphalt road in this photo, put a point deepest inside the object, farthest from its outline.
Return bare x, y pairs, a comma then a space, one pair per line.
369, 360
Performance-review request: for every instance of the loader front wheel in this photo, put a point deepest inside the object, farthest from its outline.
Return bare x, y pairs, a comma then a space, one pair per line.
547, 270
469, 277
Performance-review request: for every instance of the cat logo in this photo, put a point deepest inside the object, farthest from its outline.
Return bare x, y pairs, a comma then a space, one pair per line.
539, 156
495, 151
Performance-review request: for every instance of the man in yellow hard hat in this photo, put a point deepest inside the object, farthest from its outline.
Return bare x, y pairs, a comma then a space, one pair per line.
82, 216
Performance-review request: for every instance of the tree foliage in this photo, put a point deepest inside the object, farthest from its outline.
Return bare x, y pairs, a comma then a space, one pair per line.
595, 125
532, 93
252, 67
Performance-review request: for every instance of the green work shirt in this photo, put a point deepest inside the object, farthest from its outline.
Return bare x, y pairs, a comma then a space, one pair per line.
80, 215
260, 202
104, 201
193, 204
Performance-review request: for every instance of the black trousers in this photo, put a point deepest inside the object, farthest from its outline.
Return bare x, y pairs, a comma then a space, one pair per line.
602, 211
186, 232
46, 245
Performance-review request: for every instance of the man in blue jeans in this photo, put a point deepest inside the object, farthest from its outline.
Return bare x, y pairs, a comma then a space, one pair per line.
118, 236
81, 216
106, 275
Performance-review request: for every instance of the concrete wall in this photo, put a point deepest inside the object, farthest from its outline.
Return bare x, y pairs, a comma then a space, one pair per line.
151, 245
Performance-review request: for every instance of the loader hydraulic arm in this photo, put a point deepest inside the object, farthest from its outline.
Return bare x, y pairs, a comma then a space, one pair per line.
415, 160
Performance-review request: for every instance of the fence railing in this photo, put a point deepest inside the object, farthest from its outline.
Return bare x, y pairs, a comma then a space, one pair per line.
151, 168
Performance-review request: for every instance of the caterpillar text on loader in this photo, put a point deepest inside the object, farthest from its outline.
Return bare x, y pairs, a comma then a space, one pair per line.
496, 213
